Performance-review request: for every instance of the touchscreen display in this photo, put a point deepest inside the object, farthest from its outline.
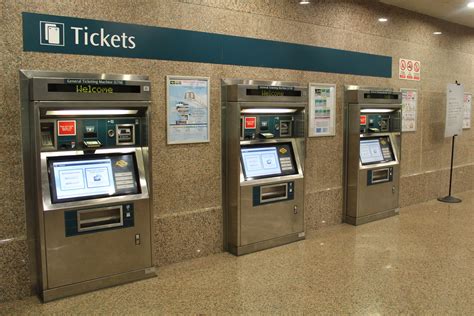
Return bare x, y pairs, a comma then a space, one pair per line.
260, 161
77, 177
83, 178
370, 151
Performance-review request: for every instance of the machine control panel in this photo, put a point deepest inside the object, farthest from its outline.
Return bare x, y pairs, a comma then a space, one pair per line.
266, 126
59, 134
375, 123
267, 160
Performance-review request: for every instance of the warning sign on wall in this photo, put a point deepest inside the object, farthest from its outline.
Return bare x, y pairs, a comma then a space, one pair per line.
409, 69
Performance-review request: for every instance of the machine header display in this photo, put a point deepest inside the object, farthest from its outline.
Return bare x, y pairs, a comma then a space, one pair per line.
274, 91
75, 178
92, 88
380, 95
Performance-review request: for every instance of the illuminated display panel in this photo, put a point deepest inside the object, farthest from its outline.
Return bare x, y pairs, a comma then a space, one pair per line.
76, 178
260, 161
370, 151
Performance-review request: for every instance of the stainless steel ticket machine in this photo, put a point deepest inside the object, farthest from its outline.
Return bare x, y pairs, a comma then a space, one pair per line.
87, 179
372, 141
263, 159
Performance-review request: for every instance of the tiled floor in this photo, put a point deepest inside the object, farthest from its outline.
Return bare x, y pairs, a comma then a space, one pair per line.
421, 262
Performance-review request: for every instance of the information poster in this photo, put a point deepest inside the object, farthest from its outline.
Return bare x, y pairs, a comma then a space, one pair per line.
467, 111
187, 109
322, 110
409, 108
454, 110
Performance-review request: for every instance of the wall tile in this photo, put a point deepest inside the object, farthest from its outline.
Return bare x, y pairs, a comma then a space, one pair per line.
14, 275
187, 235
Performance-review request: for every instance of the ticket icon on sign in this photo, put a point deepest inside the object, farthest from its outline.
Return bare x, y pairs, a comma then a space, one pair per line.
121, 163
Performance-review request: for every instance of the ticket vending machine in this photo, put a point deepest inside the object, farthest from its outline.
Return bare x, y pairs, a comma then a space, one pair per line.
372, 141
262, 158
87, 179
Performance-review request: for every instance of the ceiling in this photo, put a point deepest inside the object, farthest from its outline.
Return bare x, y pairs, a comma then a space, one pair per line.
450, 10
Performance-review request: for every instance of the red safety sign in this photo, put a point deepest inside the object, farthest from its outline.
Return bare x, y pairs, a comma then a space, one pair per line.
250, 122
363, 119
403, 64
409, 69
66, 128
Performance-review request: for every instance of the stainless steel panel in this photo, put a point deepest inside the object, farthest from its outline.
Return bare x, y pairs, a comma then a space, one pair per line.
39, 81
272, 220
266, 244
378, 197
100, 283
236, 91
94, 255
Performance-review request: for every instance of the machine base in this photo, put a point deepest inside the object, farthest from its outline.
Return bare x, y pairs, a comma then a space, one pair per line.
449, 199
370, 218
238, 251
87, 286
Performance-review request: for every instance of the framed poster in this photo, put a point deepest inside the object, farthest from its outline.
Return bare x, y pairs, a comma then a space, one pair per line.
467, 111
322, 110
409, 109
187, 107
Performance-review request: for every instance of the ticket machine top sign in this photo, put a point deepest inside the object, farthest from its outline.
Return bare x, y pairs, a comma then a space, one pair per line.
66, 128
409, 69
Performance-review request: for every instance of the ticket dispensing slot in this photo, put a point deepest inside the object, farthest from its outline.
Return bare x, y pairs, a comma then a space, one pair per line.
379, 176
101, 218
275, 192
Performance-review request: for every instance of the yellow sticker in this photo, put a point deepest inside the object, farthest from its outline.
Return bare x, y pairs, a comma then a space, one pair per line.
121, 163
283, 150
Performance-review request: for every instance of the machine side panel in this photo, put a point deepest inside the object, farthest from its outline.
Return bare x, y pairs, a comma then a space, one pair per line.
233, 172
352, 160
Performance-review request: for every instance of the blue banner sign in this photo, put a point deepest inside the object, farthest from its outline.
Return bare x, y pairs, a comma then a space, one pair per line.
67, 35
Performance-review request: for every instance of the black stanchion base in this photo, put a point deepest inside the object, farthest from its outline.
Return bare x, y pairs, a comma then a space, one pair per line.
449, 199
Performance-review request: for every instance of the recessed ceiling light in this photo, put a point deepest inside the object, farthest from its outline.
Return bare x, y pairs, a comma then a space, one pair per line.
470, 5
437, 33
304, 1
383, 19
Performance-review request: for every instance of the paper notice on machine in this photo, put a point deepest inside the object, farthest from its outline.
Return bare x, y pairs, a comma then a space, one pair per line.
454, 110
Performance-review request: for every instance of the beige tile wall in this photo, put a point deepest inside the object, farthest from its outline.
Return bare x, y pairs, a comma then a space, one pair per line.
188, 216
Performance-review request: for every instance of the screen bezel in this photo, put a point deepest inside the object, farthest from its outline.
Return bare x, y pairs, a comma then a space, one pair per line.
387, 138
52, 181
266, 145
